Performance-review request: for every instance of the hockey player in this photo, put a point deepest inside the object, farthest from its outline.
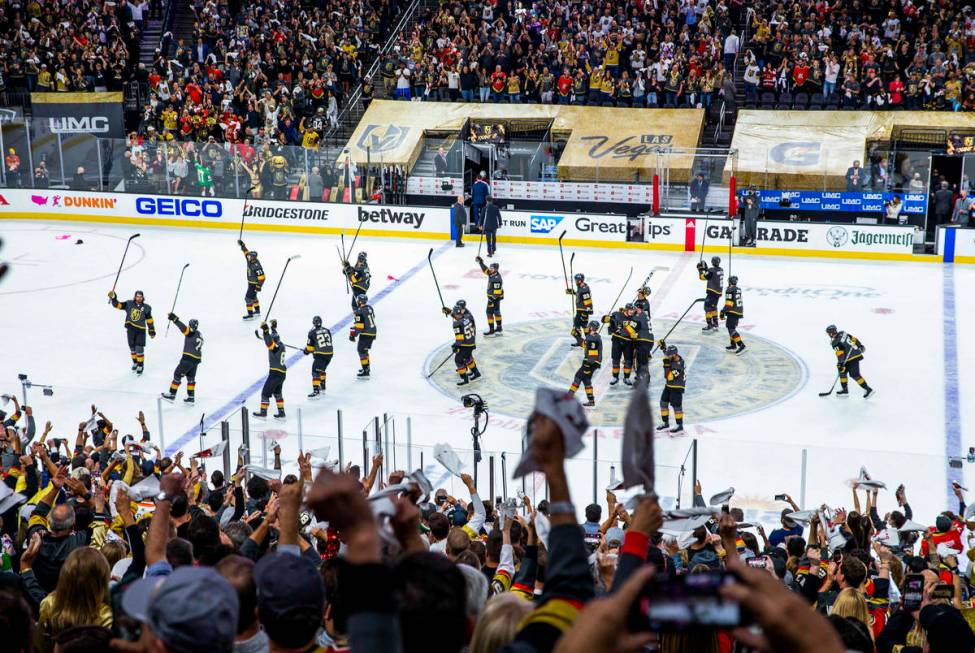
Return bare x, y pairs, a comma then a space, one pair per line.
642, 300
715, 278
319, 345
255, 280
495, 293
583, 304
465, 332
849, 352
643, 338
673, 393
277, 370
622, 347
733, 312
138, 320
365, 330
591, 361
358, 276
192, 357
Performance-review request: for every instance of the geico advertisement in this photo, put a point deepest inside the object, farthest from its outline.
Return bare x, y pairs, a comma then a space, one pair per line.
208, 209
580, 226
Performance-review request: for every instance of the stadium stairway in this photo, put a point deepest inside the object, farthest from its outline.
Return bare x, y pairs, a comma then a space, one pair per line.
351, 114
183, 22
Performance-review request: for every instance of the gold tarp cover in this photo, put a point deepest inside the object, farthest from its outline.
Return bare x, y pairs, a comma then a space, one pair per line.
812, 149
603, 143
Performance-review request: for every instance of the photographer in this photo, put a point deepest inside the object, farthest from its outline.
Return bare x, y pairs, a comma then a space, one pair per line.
893, 211
750, 212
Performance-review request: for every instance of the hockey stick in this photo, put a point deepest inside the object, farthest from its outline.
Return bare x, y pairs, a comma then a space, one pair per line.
622, 288
572, 299
435, 282
173, 309
344, 257
838, 375
704, 239
354, 238
342, 261
664, 339
122, 262
243, 214
276, 289
442, 363
562, 256
650, 276
731, 240
480, 242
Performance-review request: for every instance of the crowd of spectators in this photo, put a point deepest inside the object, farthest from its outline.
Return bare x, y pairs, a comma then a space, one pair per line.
79, 45
607, 53
110, 545
875, 54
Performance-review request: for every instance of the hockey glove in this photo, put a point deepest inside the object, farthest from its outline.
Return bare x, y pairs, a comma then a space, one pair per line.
351, 335
479, 260
722, 314
569, 291
152, 333
243, 247
111, 294
264, 326
172, 317
446, 311
841, 369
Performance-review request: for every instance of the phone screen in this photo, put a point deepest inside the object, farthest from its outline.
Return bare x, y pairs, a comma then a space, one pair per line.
756, 562
671, 603
913, 591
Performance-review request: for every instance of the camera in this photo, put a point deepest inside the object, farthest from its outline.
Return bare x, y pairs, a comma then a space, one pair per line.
674, 603
474, 401
22, 377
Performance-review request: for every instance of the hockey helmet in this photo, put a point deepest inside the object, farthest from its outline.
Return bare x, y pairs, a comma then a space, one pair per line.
832, 330
274, 325
579, 277
671, 350
644, 291
193, 325
715, 260
361, 299
629, 307
252, 253
461, 304
593, 325
316, 321
457, 311
494, 266
733, 280
361, 257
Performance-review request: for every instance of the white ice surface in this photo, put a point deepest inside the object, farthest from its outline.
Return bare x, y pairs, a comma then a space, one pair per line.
57, 327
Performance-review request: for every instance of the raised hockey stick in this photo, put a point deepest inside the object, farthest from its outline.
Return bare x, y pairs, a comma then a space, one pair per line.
122, 262
657, 345
173, 309
342, 261
354, 238
442, 363
572, 299
838, 375
344, 256
243, 214
562, 256
435, 282
622, 288
704, 239
276, 289
655, 269
480, 242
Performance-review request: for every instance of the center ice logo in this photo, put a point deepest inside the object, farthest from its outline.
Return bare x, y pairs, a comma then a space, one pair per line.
533, 354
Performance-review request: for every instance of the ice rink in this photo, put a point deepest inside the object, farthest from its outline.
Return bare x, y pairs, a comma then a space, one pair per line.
759, 423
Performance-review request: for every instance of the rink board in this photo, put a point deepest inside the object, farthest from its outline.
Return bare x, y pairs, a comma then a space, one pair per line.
524, 227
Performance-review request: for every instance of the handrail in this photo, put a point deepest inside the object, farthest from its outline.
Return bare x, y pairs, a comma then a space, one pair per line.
357, 93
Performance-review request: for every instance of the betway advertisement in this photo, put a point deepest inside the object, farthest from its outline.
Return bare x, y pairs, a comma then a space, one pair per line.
208, 212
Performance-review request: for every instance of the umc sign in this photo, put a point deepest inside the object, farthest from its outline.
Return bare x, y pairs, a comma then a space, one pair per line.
82, 125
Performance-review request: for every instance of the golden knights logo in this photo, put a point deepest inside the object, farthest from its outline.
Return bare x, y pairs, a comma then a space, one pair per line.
135, 315
382, 138
533, 354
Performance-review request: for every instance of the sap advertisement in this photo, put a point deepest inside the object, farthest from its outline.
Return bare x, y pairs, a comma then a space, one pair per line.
807, 200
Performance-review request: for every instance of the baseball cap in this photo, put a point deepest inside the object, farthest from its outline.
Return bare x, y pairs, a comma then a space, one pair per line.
946, 629
614, 536
194, 609
285, 582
